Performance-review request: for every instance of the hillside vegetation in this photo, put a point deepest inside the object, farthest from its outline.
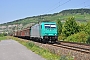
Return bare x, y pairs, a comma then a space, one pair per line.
81, 15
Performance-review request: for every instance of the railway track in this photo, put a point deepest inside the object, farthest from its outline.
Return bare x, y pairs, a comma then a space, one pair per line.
84, 48
80, 47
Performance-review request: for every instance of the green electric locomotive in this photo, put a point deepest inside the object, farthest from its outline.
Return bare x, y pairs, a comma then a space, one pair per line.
44, 32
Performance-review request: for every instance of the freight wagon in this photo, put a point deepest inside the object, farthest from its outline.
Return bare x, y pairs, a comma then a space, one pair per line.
25, 33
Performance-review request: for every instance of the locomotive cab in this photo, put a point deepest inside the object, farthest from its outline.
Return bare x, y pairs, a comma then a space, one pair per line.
49, 31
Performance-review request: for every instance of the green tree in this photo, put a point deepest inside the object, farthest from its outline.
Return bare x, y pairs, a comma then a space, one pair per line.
59, 26
82, 27
80, 37
70, 27
87, 28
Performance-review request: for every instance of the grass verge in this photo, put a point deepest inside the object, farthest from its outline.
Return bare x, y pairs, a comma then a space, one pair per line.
3, 38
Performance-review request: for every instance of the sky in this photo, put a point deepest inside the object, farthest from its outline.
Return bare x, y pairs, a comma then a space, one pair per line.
11, 10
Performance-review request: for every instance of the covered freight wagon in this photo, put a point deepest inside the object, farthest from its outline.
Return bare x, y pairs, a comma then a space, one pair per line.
26, 33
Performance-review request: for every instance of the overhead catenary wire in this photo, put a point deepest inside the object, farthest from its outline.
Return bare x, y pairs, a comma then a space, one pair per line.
85, 14
82, 3
53, 6
66, 3
87, 6
59, 5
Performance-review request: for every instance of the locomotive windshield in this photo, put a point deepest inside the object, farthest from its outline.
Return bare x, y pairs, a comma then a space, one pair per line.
50, 26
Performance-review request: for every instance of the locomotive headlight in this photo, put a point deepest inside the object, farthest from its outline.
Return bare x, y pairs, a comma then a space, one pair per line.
54, 34
46, 34
46, 37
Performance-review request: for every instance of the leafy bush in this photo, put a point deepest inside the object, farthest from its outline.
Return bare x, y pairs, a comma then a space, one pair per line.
1, 34
70, 27
88, 40
82, 27
61, 37
80, 37
87, 28
59, 26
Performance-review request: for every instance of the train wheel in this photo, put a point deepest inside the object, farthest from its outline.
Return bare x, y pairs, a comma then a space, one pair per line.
44, 41
40, 40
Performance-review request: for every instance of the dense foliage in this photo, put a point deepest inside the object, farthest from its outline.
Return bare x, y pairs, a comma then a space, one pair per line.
59, 27
73, 32
70, 27
87, 28
80, 37
3, 34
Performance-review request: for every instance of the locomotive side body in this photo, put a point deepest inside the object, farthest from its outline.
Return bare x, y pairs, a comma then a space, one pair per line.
35, 32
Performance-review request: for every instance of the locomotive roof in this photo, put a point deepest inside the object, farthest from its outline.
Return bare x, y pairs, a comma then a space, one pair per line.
48, 23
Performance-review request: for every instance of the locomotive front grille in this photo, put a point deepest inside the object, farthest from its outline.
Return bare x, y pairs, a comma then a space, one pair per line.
51, 37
